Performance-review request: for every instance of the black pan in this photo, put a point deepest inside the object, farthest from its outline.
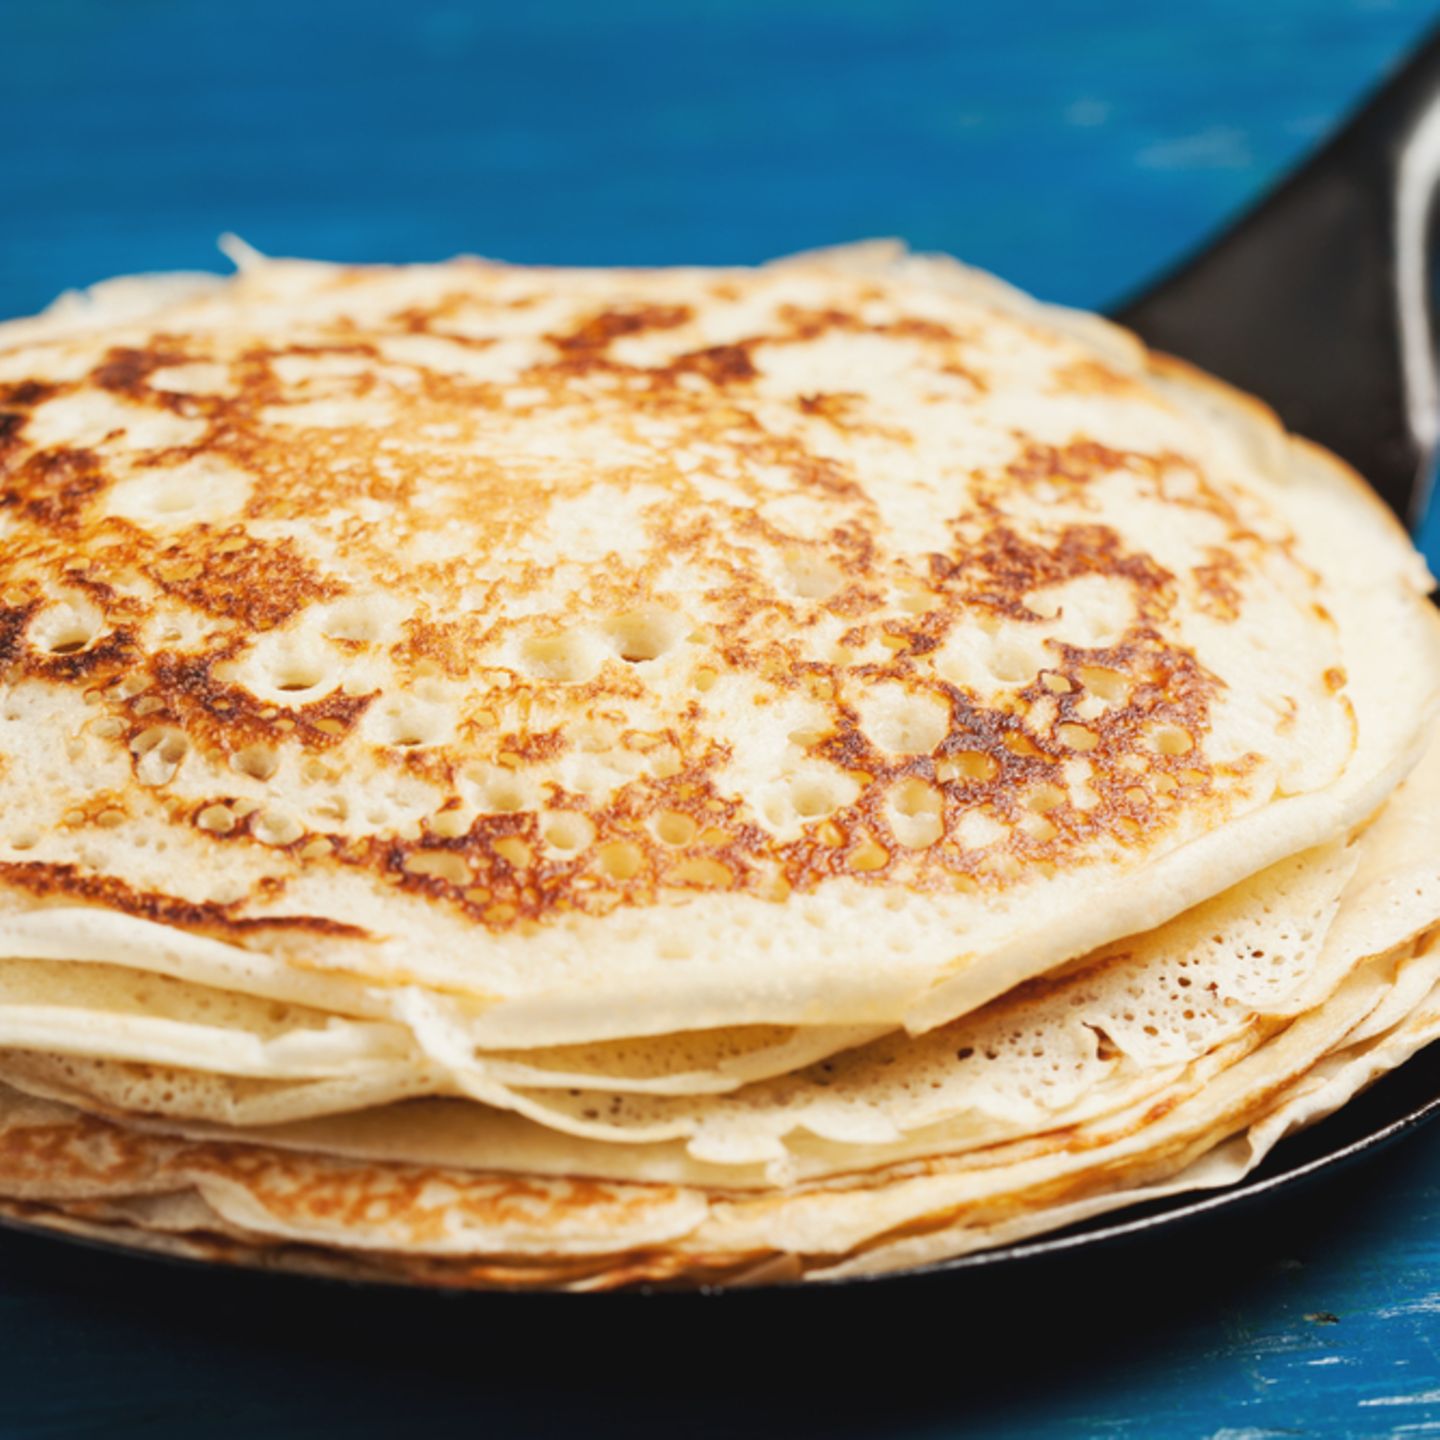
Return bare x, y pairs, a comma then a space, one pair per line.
1318, 300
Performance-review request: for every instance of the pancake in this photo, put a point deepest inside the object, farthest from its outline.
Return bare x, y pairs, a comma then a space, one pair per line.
109, 1011
451, 1227
621, 652
569, 779
1051, 1053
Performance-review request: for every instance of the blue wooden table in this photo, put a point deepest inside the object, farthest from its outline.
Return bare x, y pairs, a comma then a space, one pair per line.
1074, 148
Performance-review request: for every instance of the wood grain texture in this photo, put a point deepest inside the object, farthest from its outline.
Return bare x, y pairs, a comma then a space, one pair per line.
1073, 148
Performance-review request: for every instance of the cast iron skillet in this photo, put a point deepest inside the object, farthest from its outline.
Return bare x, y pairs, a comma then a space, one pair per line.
1318, 300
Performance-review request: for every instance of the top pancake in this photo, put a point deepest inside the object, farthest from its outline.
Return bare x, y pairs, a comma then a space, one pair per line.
840, 641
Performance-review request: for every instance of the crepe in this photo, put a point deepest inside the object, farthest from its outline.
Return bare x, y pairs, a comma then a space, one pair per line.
449, 1226
557, 778
579, 643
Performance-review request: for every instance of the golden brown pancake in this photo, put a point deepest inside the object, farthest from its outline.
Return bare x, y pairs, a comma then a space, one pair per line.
839, 642
526, 777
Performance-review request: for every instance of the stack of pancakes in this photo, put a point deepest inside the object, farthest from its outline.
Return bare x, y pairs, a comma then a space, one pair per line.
555, 778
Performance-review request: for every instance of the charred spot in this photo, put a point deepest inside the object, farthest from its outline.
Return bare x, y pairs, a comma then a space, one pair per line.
600, 331
105, 595
1075, 463
415, 319
532, 746
979, 729
919, 328
851, 602
847, 746
189, 693
856, 548
810, 324
324, 721
114, 651
13, 620
422, 318
1173, 479
54, 488
1217, 584
448, 644
844, 411
362, 348
918, 642
823, 473
1001, 568
45, 881
497, 876
1169, 686
126, 371
836, 408
720, 364
24, 395
233, 575
101, 807
11, 423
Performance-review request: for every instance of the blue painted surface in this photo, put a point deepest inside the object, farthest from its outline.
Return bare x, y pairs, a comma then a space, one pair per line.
1074, 148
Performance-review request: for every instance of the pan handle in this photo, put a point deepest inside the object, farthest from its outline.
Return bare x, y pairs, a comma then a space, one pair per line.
1319, 298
